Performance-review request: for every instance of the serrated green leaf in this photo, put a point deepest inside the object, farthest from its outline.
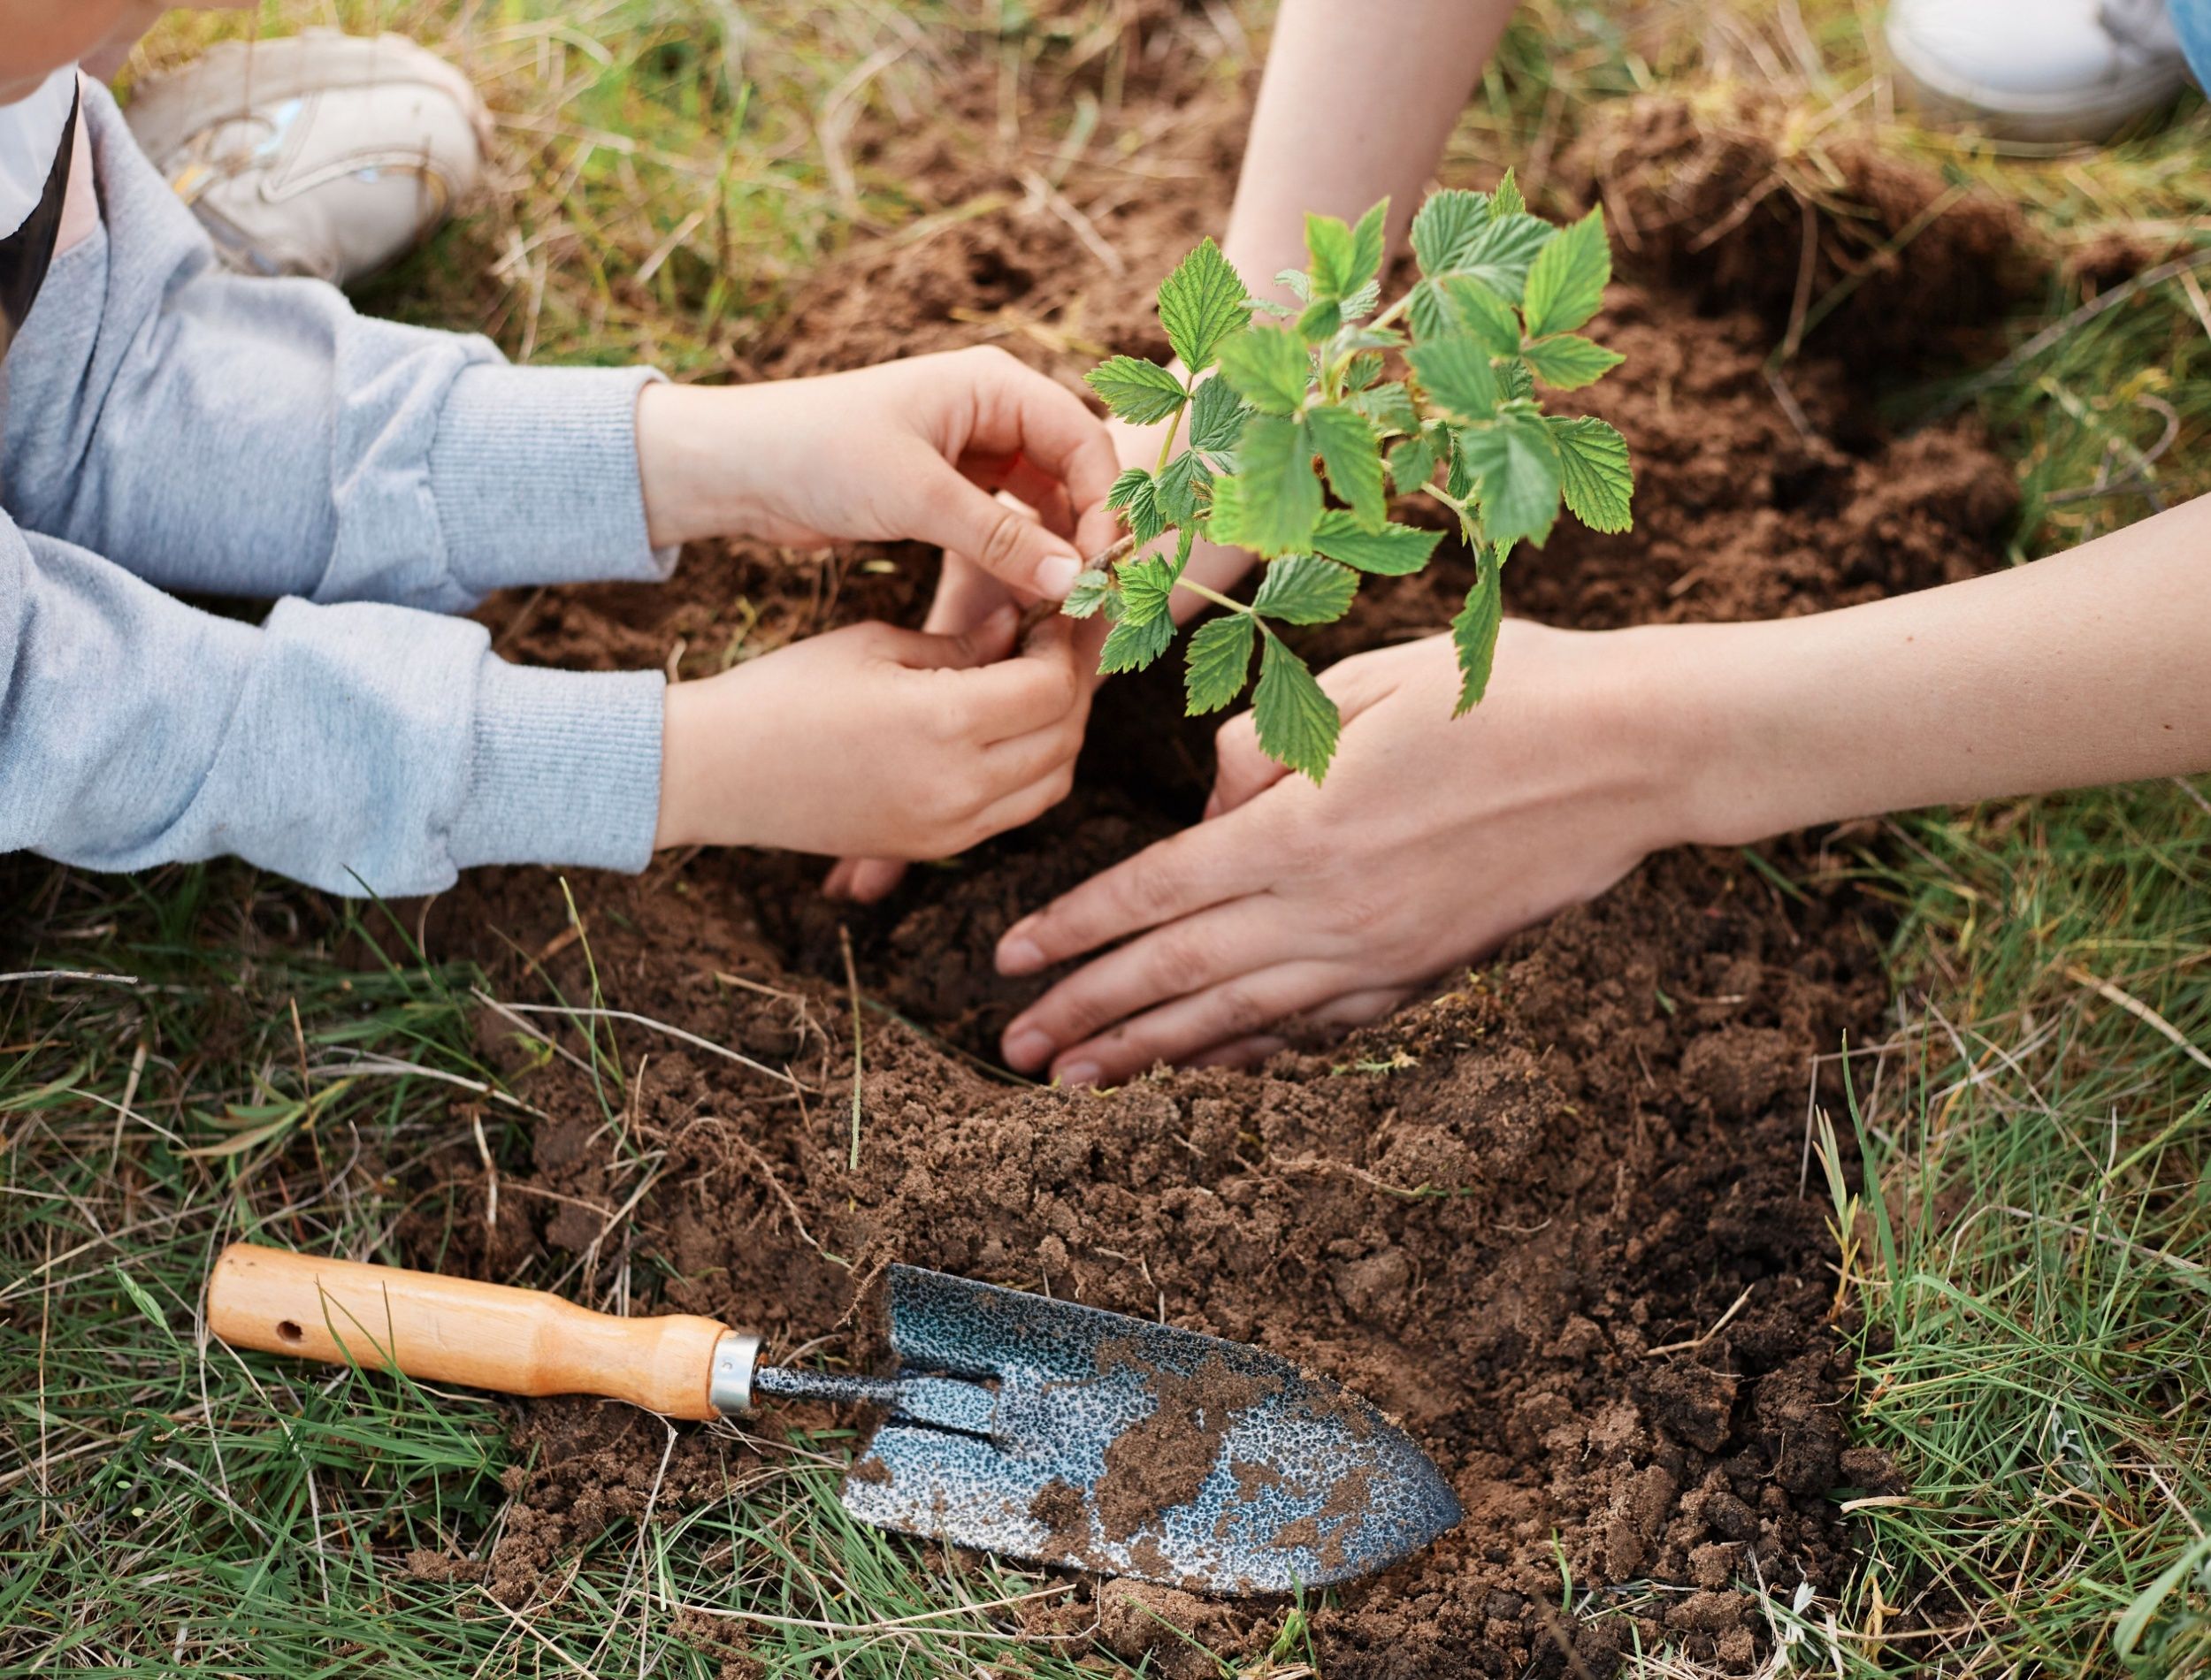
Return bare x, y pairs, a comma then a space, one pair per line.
1392, 552
1455, 371
1320, 320
1362, 301
1218, 662
1413, 464
1298, 724
1566, 282
1137, 497
1501, 251
1134, 645
1271, 504
1180, 485
1389, 406
1269, 368
1569, 360
1329, 245
1366, 253
1474, 636
1147, 587
1459, 303
1350, 454
1297, 283
1201, 304
1443, 225
1217, 415
1518, 383
1459, 481
1137, 391
1506, 200
1087, 595
1516, 472
1305, 589
1361, 371
1594, 473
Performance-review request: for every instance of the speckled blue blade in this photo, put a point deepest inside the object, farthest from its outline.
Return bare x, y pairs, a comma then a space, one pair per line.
1126, 1448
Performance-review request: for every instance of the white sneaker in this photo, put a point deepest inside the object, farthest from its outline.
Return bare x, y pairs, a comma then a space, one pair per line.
2036, 69
321, 153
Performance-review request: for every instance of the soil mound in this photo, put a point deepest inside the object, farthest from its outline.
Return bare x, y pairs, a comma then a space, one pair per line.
1731, 194
1553, 1217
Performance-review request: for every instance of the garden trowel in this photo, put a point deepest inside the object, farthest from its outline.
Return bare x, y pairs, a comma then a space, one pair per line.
1015, 1423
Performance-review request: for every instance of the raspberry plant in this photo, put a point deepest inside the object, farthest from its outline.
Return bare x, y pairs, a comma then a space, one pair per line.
1492, 314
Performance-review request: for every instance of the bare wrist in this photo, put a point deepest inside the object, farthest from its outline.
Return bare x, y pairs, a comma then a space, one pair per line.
696, 470
681, 823
1712, 728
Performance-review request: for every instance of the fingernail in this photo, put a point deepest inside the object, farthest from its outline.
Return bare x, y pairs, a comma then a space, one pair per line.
1026, 1047
1056, 574
1079, 1074
1018, 954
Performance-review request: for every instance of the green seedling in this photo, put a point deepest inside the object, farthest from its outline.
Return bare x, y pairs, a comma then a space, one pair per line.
1494, 315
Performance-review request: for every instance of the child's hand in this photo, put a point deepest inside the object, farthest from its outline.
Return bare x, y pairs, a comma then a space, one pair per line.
875, 740
909, 449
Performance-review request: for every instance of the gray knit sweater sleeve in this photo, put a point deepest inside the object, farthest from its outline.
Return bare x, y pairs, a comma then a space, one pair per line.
169, 426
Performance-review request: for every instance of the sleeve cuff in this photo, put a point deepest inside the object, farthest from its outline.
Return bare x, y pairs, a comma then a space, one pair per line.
565, 768
535, 475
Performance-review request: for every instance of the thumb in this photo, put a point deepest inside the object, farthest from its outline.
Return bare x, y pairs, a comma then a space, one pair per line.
1242, 772
1005, 541
982, 643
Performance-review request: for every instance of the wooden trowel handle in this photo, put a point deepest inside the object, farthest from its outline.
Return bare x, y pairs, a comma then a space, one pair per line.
452, 1330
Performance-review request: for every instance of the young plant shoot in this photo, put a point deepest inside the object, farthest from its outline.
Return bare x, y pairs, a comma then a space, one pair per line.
1493, 315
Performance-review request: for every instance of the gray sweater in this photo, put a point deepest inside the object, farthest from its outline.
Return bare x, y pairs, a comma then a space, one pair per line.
172, 427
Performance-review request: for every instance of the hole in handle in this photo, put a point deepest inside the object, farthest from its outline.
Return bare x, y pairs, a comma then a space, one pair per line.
287, 1331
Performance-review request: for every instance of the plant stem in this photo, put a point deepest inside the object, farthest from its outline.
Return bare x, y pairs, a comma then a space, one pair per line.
1213, 595
1173, 426
1111, 553
1390, 314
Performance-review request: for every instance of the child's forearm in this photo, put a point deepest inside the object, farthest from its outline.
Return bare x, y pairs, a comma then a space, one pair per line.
358, 747
1357, 102
2089, 667
230, 437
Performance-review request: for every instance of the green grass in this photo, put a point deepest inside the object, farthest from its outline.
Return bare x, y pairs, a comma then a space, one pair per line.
2032, 1274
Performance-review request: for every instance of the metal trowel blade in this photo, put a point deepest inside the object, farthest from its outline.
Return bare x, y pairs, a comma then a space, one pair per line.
1104, 1442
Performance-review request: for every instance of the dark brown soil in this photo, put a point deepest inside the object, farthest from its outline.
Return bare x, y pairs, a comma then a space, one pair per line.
1554, 1217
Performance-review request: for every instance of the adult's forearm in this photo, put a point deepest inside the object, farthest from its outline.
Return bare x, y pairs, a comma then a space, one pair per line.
1358, 100
2090, 666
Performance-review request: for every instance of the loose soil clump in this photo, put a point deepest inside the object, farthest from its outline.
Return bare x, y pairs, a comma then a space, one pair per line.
1554, 1217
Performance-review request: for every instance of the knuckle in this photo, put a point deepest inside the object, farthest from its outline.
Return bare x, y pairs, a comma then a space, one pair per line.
1003, 540
1137, 890
1175, 956
1239, 1011
1305, 851
1359, 912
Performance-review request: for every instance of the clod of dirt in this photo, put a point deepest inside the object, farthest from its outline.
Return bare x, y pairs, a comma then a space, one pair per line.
1163, 1460
1139, 1620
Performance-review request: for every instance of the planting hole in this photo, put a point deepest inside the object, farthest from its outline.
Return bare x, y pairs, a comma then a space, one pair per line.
286, 1331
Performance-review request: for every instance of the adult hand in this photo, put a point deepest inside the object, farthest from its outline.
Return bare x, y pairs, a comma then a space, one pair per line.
1432, 839
909, 449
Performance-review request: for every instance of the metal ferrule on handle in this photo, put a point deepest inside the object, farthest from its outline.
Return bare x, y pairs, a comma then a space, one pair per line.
484, 1335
